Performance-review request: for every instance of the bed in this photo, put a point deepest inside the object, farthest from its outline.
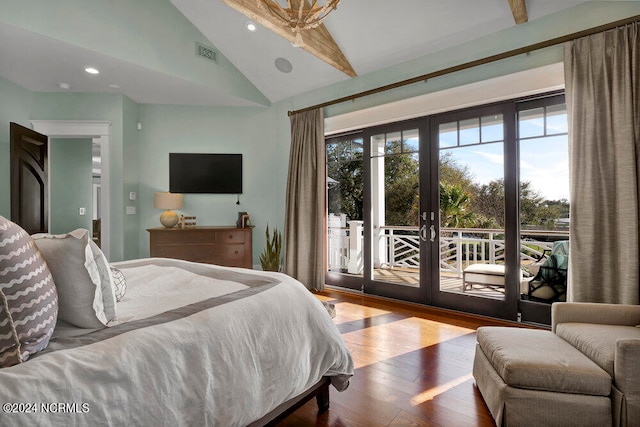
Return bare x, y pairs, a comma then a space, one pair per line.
192, 344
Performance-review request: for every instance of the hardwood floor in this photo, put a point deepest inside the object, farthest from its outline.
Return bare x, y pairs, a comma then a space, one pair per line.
412, 367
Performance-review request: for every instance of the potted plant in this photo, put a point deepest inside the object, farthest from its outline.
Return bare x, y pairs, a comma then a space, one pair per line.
270, 257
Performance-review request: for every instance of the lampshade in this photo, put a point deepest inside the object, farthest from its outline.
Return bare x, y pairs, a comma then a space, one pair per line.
163, 200
168, 201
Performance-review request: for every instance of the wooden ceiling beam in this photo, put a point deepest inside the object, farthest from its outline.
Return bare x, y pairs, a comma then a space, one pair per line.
317, 41
519, 10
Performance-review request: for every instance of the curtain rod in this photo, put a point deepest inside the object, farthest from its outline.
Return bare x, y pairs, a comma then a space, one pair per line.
475, 63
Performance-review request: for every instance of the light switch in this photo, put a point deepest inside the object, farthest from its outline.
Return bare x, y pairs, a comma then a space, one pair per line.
131, 210
81, 211
132, 195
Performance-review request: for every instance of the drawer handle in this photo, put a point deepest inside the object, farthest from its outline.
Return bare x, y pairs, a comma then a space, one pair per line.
230, 236
236, 252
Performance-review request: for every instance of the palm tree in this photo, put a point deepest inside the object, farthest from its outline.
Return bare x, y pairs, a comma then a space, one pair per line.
454, 204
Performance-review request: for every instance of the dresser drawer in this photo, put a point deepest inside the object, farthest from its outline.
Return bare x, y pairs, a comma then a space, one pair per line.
176, 236
195, 252
228, 246
230, 236
230, 252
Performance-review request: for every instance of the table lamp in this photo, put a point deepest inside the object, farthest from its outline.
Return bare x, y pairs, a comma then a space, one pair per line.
168, 201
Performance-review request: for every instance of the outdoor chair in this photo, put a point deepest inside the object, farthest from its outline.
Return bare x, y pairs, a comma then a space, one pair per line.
549, 284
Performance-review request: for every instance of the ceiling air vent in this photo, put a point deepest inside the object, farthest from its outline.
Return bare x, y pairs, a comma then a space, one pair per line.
205, 52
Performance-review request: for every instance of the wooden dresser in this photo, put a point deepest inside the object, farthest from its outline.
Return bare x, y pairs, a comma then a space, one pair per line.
229, 246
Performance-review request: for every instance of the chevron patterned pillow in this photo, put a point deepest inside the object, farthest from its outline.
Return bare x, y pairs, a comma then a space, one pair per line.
28, 298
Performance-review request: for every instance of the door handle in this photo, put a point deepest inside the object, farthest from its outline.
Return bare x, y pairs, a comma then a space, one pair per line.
433, 233
423, 233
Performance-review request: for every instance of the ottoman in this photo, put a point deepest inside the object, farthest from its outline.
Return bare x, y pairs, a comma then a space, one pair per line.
484, 275
532, 377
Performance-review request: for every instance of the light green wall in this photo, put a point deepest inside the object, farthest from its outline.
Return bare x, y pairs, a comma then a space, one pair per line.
130, 168
253, 132
70, 184
95, 106
15, 106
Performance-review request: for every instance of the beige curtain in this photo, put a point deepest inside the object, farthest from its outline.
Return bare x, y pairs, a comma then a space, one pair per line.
304, 218
602, 74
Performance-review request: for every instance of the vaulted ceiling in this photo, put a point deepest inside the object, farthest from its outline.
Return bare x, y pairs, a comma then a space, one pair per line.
368, 35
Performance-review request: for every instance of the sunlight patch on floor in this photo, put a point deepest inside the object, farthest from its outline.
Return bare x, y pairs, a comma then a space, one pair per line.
434, 391
419, 333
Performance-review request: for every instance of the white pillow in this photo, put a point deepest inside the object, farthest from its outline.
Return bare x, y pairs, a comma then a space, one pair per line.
82, 276
119, 283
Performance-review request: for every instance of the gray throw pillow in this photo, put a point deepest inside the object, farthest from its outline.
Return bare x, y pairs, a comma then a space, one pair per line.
28, 298
82, 276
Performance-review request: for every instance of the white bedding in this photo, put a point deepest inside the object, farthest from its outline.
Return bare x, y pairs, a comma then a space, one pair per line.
193, 345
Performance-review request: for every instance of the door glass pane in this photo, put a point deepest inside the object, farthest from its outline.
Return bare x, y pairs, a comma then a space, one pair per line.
394, 205
393, 144
544, 208
448, 134
556, 119
492, 128
472, 210
531, 123
469, 131
345, 199
410, 141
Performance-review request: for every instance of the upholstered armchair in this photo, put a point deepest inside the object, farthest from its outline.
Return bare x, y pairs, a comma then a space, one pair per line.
609, 334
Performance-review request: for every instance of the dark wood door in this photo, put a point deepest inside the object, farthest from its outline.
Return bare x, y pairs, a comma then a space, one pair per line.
29, 179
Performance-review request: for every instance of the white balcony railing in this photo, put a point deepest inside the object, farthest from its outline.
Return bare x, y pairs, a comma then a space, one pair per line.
459, 247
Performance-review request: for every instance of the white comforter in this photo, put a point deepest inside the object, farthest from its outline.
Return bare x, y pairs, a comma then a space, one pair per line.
194, 345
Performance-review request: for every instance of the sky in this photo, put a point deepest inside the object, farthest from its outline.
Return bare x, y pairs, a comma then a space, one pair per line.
544, 160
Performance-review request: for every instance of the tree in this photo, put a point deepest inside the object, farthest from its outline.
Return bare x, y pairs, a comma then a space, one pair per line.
454, 206
345, 190
455, 174
488, 202
402, 188
535, 211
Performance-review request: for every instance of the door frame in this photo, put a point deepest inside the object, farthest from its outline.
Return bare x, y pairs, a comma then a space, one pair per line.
97, 131
506, 308
422, 294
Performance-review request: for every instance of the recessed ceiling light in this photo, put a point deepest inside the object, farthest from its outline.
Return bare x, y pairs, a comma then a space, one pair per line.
283, 65
114, 86
92, 70
64, 85
251, 26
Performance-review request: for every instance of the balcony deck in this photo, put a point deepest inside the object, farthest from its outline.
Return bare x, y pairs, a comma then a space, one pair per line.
399, 252
448, 282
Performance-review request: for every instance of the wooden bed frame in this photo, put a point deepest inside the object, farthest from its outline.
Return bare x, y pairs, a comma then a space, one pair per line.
320, 391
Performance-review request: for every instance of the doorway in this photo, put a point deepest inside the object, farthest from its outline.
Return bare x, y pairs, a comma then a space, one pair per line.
99, 132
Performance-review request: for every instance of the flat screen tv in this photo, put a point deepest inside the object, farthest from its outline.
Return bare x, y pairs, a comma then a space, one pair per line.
205, 173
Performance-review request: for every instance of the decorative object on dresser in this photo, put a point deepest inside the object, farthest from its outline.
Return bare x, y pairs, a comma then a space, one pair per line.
168, 201
223, 245
242, 219
187, 221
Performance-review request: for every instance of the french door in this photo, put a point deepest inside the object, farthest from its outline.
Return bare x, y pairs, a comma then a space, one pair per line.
397, 211
476, 266
430, 210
